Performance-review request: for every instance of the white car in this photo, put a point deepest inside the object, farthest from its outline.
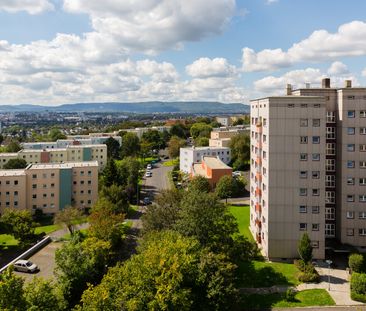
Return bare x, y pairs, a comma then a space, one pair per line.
25, 266
148, 174
149, 167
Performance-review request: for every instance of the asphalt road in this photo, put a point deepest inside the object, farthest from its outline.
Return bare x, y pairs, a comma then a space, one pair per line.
157, 182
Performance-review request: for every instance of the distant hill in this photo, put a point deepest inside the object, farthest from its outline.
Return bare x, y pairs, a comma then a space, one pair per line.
143, 107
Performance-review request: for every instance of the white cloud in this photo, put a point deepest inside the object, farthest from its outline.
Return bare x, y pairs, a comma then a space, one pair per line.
206, 67
30, 6
321, 45
271, 1
364, 72
338, 68
298, 78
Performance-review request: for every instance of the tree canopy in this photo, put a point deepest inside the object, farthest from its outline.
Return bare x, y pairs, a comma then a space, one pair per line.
113, 148
174, 145
130, 145
240, 151
200, 129
15, 164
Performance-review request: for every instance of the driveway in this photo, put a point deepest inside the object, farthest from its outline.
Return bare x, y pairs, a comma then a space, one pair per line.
157, 182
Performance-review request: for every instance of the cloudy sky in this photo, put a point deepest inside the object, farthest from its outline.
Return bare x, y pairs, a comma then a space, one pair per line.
63, 51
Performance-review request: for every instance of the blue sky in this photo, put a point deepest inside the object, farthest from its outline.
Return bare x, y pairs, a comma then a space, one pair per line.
63, 51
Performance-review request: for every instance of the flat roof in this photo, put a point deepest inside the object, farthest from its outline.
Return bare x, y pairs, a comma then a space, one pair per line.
289, 97
206, 148
87, 146
215, 163
198, 170
41, 166
9, 154
10, 173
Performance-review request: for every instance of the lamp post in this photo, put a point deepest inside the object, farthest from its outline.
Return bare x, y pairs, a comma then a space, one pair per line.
329, 262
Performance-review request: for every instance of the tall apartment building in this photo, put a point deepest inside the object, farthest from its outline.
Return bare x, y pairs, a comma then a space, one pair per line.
49, 187
71, 153
308, 153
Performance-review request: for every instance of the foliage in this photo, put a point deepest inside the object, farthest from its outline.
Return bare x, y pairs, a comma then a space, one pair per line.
110, 175
20, 224
69, 217
117, 196
55, 134
13, 146
305, 249
290, 294
225, 187
200, 129
200, 184
164, 213
240, 151
15, 164
43, 295
130, 145
174, 145
113, 148
11, 291
179, 130
78, 263
154, 138
356, 263
308, 272
358, 286
201, 142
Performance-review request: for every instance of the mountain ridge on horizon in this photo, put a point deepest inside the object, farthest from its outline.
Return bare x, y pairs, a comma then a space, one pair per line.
135, 107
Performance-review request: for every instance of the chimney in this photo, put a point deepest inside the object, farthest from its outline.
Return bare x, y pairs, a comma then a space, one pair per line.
348, 83
307, 85
288, 89
325, 83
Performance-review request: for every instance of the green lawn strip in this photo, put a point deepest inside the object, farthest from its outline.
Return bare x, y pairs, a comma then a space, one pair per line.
132, 210
305, 298
267, 274
7, 240
47, 229
171, 162
241, 213
67, 236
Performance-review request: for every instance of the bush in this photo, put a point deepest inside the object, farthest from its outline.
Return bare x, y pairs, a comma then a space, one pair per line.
300, 264
290, 294
308, 277
358, 286
356, 263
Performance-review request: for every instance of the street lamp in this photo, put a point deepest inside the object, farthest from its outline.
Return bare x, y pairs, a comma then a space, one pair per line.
329, 262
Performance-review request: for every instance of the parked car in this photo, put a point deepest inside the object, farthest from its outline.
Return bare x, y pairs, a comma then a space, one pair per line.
25, 266
236, 174
148, 174
147, 201
149, 167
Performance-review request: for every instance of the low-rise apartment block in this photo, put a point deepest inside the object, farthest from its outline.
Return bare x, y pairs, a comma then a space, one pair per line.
49, 187
308, 155
221, 137
192, 155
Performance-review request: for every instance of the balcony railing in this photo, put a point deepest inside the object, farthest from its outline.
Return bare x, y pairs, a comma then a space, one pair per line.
258, 208
258, 192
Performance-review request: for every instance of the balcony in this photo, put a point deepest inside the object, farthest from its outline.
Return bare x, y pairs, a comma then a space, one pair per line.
258, 175
258, 223
259, 144
258, 192
258, 160
258, 238
258, 208
259, 128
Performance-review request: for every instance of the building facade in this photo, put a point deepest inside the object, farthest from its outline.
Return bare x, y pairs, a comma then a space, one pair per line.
308, 152
221, 137
49, 187
192, 155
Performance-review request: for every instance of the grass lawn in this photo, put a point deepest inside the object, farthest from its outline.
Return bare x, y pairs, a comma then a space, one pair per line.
306, 298
7, 240
267, 274
241, 213
47, 229
171, 162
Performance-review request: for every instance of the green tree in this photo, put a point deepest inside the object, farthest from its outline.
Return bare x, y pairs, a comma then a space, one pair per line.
174, 145
113, 148
43, 295
78, 263
55, 134
11, 291
356, 262
13, 146
200, 129
200, 184
69, 217
128, 172
163, 215
153, 138
110, 174
240, 151
20, 224
130, 145
117, 196
305, 249
179, 130
201, 142
225, 187
15, 164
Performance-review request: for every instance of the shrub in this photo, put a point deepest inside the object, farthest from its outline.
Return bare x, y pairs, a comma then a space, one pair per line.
290, 294
358, 286
356, 263
304, 248
308, 277
300, 264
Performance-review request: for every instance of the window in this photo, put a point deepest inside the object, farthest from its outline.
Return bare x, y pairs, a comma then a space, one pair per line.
44, 186
362, 231
330, 116
315, 209
350, 164
304, 105
350, 130
316, 156
330, 149
7, 182
15, 182
52, 174
303, 192
315, 244
302, 226
330, 132
45, 195
362, 164
316, 122
44, 175
362, 130
303, 174
362, 215
290, 105
34, 196
362, 148
34, 176
303, 139
350, 113
329, 230
350, 97
316, 139
34, 186
362, 181
52, 195
350, 215
350, 147
330, 213
315, 174
303, 122
329, 181
303, 156
89, 181
350, 232
350, 198
315, 227
363, 114
330, 165
315, 192
329, 197
362, 198
303, 209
